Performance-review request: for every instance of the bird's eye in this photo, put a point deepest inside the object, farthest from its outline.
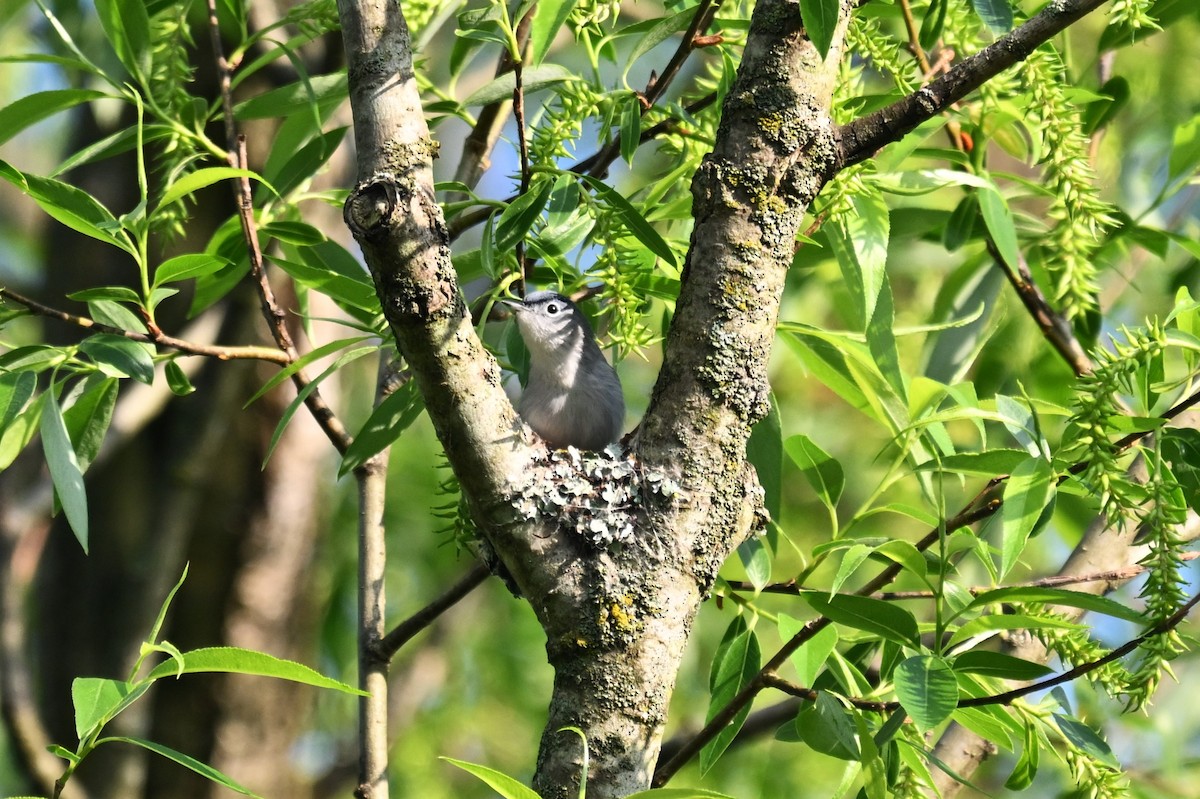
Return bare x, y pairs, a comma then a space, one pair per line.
551, 308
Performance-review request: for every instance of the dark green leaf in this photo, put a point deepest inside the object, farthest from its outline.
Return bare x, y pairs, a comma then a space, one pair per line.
112, 293
20, 431
660, 31
820, 21
69, 205
1185, 150
1085, 739
631, 128
31, 358
926, 687
1026, 767
827, 726
177, 379
1181, 449
532, 80
875, 616
22, 113
932, 24
299, 233
127, 28
119, 356
88, 418
736, 663
318, 268
1098, 114
203, 769
999, 665
756, 560
389, 419
996, 14
521, 213
64, 469
16, 389
984, 464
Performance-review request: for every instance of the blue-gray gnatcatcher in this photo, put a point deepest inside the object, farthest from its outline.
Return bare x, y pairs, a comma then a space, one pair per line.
573, 396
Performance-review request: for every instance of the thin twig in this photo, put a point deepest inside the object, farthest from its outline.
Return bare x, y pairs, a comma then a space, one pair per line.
523, 150
276, 319
191, 348
402, 633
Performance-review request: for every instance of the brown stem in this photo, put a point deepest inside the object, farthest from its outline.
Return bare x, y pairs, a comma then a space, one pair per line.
402, 633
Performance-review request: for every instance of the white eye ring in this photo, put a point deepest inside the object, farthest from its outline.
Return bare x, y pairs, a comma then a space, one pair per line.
552, 308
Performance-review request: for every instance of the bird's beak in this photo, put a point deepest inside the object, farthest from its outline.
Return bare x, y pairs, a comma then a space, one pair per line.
516, 305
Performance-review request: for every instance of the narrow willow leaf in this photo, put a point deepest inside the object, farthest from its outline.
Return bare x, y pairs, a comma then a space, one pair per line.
177, 379
390, 418
1000, 665
826, 726
1029, 491
187, 761
234, 660
632, 219
926, 687
821, 471
548, 19
16, 389
64, 469
996, 14
183, 267
736, 663
88, 418
22, 113
71, 206
658, 33
820, 21
326, 91
853, 558
1026, 767
870, 615
498, 781
20, 431
126, 25
756, 560
984, 464
809, 659
932, 24
194, 181
631, 128
987, 625
764, 450
516, 220
1085, 739
1060, 596
678, 793
1000, 225
532, 80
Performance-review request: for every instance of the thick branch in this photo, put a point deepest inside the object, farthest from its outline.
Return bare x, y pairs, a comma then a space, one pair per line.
861, 138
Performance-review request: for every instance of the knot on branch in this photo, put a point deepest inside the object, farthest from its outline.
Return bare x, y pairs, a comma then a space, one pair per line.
370, 206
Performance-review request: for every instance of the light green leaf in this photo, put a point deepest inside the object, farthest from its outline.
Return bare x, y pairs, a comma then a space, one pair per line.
926, 687
498, 781
177, 379
999, 221
1060, 596
823, 473
678, 793
756, 560
22, 113
984, 464
193, 181
126, 25
736, 663
71, 206
96, 700
64, 469
183, 267
16, 389
548, 19
234, 660
1028, 493
632, 219
203, 769
809, 659
658, 33
1085, 739
390, 418
1009, 621
1185, 149
327, 91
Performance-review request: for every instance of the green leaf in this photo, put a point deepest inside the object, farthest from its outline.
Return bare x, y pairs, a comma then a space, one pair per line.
516, 220
1029, 491
1060, 596
875, 616
1000, 226
631, 218
736, 663
926, 687
187, 761
756, 560
22, 113
194, 181
1009, 621
234, 660
996, 14
1181, 449
548, 19
177, 379
1185, 149
118, 356
127, 27
16, 389
95, 700
826, 725
932, 24
657, 34
764, 450
166, 605
823, 473
390, 418
1026, 767
1000, 665
498, 781
678, 793
20, 431
64, 469
853, 558
984, 464
326, 91
820, 22
110, 293
329, 268
631, 128
532, 80
809, 659
1085, 739
69, 205
184, 267
88, 418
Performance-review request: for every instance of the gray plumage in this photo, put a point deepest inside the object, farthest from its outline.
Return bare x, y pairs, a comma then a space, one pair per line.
573, 396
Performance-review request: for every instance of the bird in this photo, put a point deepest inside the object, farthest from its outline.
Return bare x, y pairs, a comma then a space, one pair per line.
573, 396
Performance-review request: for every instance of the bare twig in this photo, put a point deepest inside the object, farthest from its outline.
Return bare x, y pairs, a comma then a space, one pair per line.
402, 633
191, 348
372, 609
